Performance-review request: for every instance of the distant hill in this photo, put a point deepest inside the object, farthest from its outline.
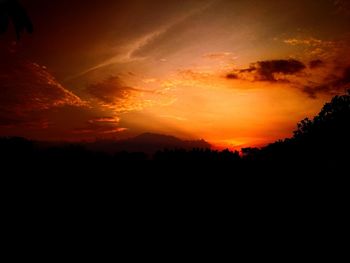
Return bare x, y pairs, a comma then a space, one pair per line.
148, 143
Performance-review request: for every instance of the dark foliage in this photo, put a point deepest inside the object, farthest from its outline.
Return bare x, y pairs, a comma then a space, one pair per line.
202, 155
325, 139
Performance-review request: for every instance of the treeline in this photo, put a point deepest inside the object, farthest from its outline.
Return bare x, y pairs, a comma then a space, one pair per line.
324, 139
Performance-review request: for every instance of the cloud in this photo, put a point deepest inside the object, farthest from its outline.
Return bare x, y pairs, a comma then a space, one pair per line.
294, 73
110, 91
232, 76
139, 47
114, 94
345, 79
269, 70
333, 86
328, 64
317, 63
107, 125
34, 104
315, 47
27, 88
173, 117
304, 41
113, 120
96, 129
195, 75
217, 55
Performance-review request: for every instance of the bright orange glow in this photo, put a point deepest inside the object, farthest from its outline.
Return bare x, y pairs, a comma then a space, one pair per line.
235, 73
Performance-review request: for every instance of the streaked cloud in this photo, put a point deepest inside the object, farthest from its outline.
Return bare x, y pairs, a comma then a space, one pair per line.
113, 120
218, 55
173, 117
305, 41
27, 87
130, 52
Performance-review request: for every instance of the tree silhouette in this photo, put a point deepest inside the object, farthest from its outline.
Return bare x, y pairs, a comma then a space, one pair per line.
325, 138
12, 11
333, 118
317, 143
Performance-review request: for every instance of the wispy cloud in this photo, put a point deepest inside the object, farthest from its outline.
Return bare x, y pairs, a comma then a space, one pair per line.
173, 117
127, 52
219, 55
304, 41
315, 47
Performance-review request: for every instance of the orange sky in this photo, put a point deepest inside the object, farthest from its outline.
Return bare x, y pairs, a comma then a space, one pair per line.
231, 72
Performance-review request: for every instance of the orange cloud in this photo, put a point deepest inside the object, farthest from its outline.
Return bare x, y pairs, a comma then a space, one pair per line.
305, 41
105, 120
218, 55
314, 47
27, 87
112, 93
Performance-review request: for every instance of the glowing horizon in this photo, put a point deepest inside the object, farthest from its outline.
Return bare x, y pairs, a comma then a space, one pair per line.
234, 73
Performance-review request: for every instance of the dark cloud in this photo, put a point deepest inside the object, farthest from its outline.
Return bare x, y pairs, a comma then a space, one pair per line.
269, 70
345, 79
248, 70
333, 86
232, 76
337, 81
317, 63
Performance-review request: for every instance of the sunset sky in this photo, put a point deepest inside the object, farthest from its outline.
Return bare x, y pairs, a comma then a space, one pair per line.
232, 72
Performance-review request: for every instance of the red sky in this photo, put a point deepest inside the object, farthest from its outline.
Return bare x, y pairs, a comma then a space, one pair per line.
231, 72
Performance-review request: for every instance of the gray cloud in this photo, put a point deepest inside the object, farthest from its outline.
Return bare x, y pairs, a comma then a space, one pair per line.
274, 71
268, 70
